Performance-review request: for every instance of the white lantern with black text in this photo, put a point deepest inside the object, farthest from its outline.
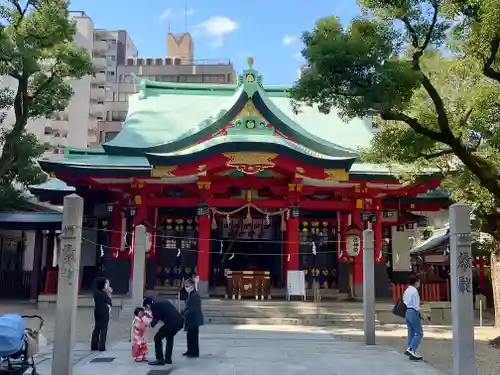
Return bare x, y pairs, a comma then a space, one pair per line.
353, 247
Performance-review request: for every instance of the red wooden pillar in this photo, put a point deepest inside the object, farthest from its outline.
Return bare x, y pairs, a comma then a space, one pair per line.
358, 260
291, 261
344, 225
377, 234
204, 242
116, 231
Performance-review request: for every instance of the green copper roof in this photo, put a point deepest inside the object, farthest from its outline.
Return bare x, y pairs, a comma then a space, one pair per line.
167, 117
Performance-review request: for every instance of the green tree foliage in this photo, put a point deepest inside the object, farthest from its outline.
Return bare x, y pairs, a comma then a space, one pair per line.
39, 56
428, 72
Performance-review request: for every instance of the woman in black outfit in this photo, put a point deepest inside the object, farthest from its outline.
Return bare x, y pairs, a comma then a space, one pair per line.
102, 309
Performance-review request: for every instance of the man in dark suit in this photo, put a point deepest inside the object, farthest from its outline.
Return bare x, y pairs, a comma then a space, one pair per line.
172, 321
193, 319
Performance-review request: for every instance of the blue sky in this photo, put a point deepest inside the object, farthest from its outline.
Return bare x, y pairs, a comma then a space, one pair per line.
267, 30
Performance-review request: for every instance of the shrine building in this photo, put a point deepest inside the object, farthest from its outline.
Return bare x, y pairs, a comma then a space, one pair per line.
229, 178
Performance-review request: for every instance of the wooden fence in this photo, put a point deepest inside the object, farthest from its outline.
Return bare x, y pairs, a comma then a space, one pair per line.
432, 292
15, 284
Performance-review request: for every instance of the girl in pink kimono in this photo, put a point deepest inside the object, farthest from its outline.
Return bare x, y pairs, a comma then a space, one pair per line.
142, 319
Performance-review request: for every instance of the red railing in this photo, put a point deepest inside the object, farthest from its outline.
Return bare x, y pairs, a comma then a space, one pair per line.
432, 292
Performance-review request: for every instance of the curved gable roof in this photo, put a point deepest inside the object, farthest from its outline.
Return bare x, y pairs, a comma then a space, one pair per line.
165, 118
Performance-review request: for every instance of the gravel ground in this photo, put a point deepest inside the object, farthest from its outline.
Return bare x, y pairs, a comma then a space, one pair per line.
436, 347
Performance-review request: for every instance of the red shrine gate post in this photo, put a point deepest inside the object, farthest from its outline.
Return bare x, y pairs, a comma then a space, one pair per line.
204, 249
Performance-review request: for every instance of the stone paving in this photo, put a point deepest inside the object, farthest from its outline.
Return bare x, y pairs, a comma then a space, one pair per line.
230, 350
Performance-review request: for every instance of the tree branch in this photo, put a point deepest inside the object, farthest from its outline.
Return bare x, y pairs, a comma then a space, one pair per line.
465, 118
435, 154
415, 125
487, 66
435, 6
412, 32
443, 122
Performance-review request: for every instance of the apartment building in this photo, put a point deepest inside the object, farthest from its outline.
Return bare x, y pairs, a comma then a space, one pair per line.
179, 65
76, 126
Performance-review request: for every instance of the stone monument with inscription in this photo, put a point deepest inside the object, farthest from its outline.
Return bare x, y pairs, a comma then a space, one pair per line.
67, 286
464, 358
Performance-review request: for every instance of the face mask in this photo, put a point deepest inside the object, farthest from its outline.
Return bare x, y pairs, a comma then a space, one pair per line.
189, 289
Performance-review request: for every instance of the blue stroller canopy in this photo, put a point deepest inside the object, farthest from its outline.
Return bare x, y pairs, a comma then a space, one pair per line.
11, 334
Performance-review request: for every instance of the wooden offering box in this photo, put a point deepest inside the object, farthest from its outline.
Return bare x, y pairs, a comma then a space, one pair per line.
253, 284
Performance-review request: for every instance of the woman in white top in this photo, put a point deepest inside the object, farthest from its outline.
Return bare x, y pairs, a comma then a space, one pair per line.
411, 299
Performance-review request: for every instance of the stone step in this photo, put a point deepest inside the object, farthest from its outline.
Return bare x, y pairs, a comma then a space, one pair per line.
279, 314
282, 321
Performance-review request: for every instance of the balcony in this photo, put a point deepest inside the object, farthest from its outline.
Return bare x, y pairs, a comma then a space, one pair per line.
100, 47
97, 110
99, 63
97, 94
99, 79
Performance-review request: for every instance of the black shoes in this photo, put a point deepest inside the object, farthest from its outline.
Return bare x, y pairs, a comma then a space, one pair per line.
157, 362
413, 355
189, 355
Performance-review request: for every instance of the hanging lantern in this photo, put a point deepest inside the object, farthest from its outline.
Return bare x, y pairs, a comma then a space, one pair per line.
353, 240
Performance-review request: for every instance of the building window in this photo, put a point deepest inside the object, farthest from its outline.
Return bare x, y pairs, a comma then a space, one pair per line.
123, 97
159, 61
166, 78
108, 136
177, 61
214, 78
47, 130
195, 78
168, 61
118, 115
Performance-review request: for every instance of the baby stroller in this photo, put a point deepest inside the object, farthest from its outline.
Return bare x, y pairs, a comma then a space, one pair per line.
18, 344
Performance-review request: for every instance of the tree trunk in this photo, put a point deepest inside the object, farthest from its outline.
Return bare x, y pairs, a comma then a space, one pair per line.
495, 279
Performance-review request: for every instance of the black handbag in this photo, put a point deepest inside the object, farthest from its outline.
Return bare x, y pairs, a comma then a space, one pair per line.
399, 309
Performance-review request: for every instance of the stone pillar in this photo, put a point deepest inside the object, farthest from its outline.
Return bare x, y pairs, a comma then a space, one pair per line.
204, 242
291, 259
369, 287
464, 358
67, 288
139, 265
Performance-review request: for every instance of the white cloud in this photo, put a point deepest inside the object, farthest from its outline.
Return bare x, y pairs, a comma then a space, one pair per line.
297, 56
189, 12
289, 39
216, 28
165, 15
